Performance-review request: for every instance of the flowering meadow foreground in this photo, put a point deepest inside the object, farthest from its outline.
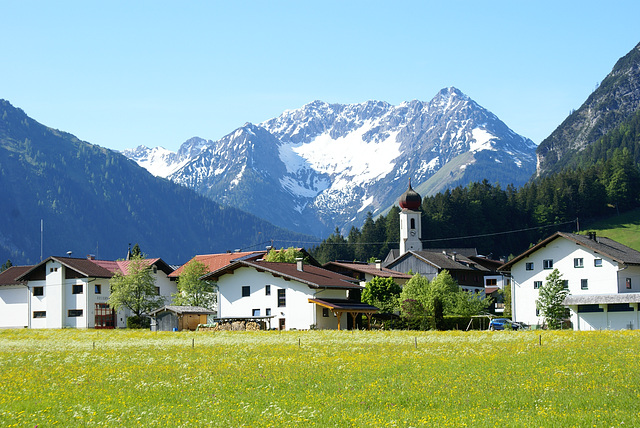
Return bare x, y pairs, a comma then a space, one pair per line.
325, 378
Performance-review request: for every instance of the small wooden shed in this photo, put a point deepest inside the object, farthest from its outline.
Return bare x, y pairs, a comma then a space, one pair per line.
178, 318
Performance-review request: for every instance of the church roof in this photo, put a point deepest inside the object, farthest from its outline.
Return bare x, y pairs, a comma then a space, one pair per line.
410, 200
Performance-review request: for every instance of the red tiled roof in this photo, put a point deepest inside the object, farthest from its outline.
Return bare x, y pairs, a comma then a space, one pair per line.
122, 266
214, 262
313, 276
8, 277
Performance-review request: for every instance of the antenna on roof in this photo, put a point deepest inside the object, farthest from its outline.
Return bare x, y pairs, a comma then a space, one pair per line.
41, 236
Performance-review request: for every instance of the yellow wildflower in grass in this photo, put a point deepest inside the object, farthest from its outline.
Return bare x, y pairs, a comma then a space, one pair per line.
321, 378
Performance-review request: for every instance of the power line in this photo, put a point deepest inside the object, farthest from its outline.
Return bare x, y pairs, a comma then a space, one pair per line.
438, 239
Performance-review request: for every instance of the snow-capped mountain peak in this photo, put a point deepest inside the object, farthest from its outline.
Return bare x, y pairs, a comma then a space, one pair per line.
326, 165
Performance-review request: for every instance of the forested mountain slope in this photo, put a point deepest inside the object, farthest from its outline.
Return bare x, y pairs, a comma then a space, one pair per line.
94, 200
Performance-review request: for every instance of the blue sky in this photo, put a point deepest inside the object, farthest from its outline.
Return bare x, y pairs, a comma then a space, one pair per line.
121, 73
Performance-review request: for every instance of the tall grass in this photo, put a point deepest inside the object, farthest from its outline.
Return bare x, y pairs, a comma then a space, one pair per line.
322, 378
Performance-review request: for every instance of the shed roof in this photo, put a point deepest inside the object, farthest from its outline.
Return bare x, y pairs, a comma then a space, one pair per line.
591, 299
313, 276
181, 310
345, 305
600, 244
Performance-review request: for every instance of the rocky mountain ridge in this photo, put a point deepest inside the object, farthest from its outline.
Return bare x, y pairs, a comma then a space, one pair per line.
616, 99
326, 165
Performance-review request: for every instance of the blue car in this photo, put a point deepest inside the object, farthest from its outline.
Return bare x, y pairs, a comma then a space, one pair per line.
501, 323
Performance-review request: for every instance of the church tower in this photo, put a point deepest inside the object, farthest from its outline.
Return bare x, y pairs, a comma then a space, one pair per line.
410, 224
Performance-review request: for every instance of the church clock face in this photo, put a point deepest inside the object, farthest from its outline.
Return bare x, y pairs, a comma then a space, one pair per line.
413, 233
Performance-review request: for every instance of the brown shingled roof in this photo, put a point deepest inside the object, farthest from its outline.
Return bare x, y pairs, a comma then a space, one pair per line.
366, 268
8, 277
91, 268
84, 267
605, 246
312, 276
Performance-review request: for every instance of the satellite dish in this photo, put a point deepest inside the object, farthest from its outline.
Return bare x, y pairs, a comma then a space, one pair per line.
69, 253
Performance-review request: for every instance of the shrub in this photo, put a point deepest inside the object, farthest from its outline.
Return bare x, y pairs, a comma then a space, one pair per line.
139, 322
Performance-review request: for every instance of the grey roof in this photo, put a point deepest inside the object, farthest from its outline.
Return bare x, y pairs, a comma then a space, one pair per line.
594, 299
600, 244
445, 261
180, 310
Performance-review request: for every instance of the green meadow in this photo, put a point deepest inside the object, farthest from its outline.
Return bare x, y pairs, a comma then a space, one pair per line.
71, 378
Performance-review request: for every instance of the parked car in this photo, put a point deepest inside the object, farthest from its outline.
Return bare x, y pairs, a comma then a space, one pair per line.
502, 323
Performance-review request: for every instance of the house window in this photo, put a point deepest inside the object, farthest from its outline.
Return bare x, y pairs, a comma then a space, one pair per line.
491, 282
529, 266
98, 289
255, 312
547, 264
565, 284
38, 291
628, 283
619, 307
589, 308
537, 312
282, 298
413, 223
537, 284
155, 269
584, 284
325, 312
597, 262
39, 314
578, 262
267, 290
246, 291
267, 312
157, 291
75, 313
55, 269
77, 289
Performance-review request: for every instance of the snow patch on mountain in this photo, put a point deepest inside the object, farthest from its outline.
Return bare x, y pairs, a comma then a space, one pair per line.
347, 156
482, 140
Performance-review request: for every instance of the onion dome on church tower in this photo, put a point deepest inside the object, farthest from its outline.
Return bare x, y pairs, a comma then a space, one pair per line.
410, 200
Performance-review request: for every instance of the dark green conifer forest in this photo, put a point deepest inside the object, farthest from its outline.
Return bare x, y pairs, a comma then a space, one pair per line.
602, 180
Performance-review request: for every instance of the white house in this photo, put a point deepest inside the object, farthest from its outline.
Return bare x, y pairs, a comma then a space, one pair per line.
290, 295
64, 292
602, 275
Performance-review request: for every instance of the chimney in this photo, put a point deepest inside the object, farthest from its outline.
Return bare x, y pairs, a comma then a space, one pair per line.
299, 264
379, 264
91, 257
454, 256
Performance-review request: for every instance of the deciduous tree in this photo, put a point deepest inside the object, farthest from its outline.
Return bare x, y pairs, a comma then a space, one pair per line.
550, 298
135, 289
192, 291
382, 293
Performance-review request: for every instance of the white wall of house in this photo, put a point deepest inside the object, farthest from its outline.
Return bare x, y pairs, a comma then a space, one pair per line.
56, 307
14, 306
601, 279
297, 312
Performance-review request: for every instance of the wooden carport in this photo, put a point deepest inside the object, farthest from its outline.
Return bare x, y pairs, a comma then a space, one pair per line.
340, 306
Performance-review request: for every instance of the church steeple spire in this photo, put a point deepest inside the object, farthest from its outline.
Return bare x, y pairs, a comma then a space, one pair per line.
410, 222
